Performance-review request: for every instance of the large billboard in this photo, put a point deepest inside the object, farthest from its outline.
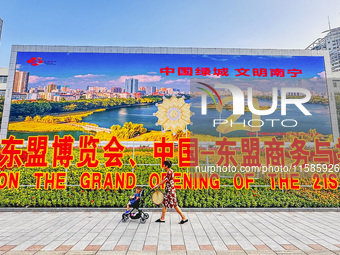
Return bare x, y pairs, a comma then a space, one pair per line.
82, 126
232, 94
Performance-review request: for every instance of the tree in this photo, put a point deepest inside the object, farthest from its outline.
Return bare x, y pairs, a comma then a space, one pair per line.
128, 131
37, 118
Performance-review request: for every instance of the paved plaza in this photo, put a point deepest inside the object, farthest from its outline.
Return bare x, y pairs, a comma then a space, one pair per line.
101, 232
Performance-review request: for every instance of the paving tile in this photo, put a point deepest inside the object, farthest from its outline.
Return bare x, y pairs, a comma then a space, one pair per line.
81, 245
92, 248
261, 247
35, 248
20, 252
7, 247
206, 247
150, 248
319, 252
81, 253
290, 252
262, 252
171, 253
203, 252
139, 253
206, 233
289, 247
137, 246
108, 245
317, 247
234, 247
121, 248
111, 253
50, 253
231, 252
178, 247
64, 248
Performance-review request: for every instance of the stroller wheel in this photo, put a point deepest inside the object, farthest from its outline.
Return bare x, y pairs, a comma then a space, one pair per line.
142, 219
124, 217
146, 215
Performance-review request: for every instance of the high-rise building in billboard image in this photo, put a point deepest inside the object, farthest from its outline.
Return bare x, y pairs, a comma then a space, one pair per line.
150, 90
21, 82
131, 85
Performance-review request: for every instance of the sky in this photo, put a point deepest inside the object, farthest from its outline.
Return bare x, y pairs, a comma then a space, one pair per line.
260, 24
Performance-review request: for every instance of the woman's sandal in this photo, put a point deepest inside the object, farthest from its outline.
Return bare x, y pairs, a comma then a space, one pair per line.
183, 221
159, 220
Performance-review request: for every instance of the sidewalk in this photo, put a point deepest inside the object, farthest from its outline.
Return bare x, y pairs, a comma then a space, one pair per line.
205, 233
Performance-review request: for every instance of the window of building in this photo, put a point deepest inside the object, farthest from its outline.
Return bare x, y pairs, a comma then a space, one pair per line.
336, 83
3, 79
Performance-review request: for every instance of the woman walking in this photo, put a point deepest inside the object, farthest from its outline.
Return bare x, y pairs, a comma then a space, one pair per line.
170, 200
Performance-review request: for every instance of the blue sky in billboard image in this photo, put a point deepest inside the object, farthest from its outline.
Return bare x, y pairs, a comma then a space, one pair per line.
79, 70
261, 24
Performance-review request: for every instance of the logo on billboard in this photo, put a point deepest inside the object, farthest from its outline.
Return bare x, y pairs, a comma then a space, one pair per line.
239, 103
35, 61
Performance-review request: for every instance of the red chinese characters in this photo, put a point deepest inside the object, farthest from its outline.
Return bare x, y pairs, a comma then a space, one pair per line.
204, 71
10, 154
163, 150
187, 152
260, 72
294, 72
274, 152
223, 152
298, 152
167, 70
323, 155
221, 71
277, 72
37, 150
62, 150
227, 154
250, 148
242, 72
224, 71
88, 150
184, 71
114, 152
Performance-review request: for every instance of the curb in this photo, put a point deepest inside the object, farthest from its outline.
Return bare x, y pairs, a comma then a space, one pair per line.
89, 209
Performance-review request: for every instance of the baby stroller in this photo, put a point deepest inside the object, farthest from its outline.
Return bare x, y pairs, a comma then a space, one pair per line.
135, 212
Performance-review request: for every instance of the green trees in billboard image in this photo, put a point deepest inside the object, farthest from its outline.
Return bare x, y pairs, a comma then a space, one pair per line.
23, 108
128, 131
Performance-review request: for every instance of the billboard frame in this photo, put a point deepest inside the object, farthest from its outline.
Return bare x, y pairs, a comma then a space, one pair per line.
164, 50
